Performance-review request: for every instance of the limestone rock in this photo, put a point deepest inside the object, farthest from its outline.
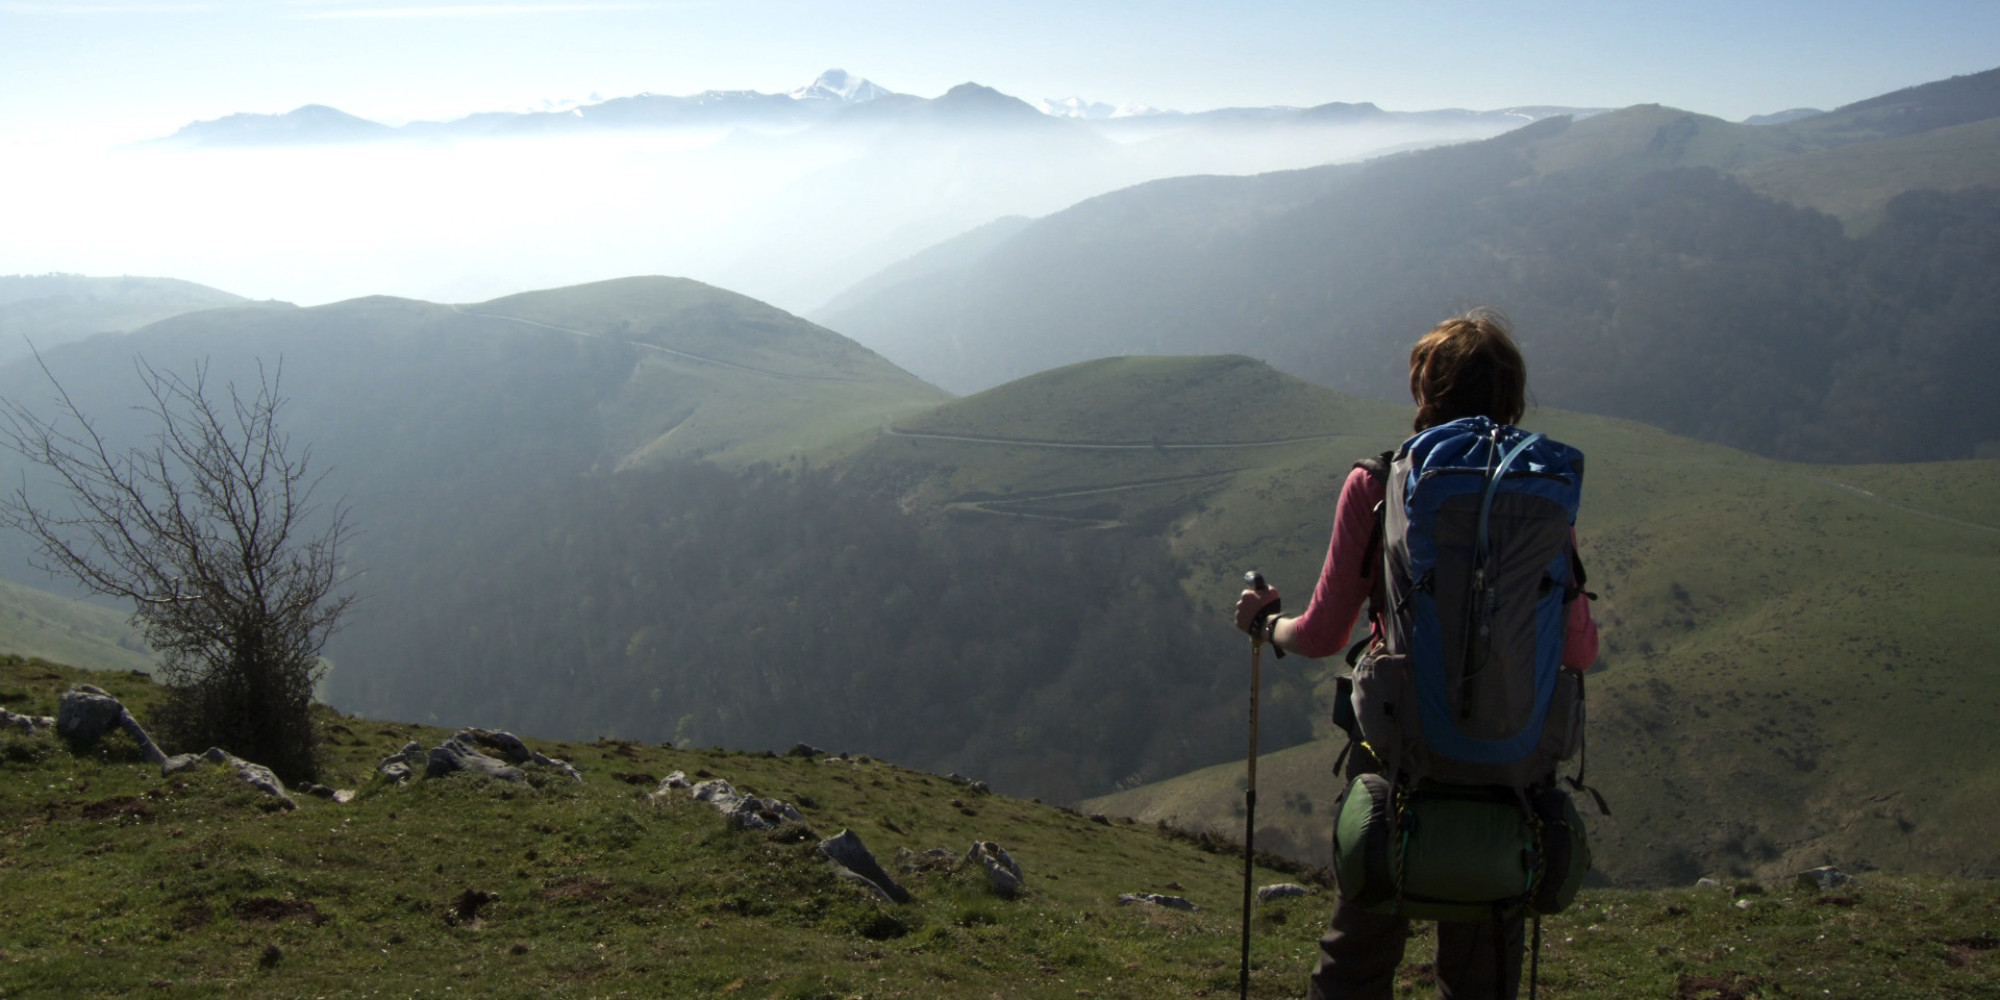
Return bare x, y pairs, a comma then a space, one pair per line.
668, 784
1280, 891
744, 812
853, 857
457, 755
1827, 877
86, 713
256, 775
511, 747
1003, 874
403, 765
1155, 899
30, 724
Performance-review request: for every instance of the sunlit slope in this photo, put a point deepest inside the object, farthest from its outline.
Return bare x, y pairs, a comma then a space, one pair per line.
1853, 182
721, 375
1192, 449
1797, 666
37, 623
44, 310
549, 887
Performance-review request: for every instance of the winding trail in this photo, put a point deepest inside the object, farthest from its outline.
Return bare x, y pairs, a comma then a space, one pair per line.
1862, 494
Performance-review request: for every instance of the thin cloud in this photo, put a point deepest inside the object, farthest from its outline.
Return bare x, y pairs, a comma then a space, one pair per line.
57, 7
476, 10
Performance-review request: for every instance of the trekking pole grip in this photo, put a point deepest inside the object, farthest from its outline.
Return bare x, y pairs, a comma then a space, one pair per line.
1255, 581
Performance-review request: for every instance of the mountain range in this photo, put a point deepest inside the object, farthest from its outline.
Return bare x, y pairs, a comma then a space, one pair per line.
1812, 290
833, 93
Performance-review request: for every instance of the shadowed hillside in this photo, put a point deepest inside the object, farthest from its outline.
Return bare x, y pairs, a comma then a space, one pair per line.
1661, 266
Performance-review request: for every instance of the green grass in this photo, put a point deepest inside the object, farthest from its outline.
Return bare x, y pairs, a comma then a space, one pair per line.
37, 623
122, 883
1853, 182
1797, 659
725, 377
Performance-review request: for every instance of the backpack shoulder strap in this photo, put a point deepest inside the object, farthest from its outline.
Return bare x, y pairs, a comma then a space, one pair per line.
1378, 467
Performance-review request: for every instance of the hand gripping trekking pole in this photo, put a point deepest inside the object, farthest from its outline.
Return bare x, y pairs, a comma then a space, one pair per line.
1255, 581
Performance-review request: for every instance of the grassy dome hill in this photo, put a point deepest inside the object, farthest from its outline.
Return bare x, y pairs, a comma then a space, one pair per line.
721, 375
1644, 138
1156, 444
1209, 399
1796, 665
686, 315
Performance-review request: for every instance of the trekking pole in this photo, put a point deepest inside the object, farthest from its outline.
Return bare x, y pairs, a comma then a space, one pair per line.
1255, 581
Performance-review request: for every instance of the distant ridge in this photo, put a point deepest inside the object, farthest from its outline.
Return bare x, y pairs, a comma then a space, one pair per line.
828, 95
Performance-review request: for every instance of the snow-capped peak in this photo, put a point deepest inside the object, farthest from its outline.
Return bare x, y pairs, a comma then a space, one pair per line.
1133, 109
1074, 107
838, 85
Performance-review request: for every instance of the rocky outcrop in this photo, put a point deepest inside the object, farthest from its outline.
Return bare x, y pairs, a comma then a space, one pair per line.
87, 713
257, 775
1003, 874
30, 724
405, 763
855, 862
459, 754
468, 751
1821, 879
744, 812
516, 752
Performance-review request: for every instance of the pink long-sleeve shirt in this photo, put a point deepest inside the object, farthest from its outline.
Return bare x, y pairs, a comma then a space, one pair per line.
1344, 583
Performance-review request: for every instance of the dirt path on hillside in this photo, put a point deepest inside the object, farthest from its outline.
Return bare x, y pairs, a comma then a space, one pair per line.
1862, 494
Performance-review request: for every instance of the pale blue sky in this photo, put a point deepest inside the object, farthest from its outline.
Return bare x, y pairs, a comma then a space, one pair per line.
128, 69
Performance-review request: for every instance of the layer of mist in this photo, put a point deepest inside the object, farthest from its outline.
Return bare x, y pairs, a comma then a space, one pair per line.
787, 218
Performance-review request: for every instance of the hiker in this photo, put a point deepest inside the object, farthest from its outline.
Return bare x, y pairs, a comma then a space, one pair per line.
1465, 367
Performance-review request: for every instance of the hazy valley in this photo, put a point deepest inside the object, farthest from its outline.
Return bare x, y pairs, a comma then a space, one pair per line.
651, 511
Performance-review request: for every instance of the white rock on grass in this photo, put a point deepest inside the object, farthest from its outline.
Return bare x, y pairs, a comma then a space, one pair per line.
87, 713
1003, 874
256, 775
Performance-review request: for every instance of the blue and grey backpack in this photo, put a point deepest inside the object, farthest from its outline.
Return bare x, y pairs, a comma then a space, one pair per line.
1461, 696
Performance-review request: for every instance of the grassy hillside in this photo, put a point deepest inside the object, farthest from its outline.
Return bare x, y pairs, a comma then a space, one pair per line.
1855, 182
50, 309
1783, 645
121, 883
720, 375
40, 624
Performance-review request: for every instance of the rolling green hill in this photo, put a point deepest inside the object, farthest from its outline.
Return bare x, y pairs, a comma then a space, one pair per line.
121, 883
51, 309
40, 624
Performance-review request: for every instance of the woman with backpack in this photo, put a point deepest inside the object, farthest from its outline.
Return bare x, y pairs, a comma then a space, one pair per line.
1465, 367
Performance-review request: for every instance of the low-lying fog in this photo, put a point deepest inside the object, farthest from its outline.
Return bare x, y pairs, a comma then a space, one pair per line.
791, 219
